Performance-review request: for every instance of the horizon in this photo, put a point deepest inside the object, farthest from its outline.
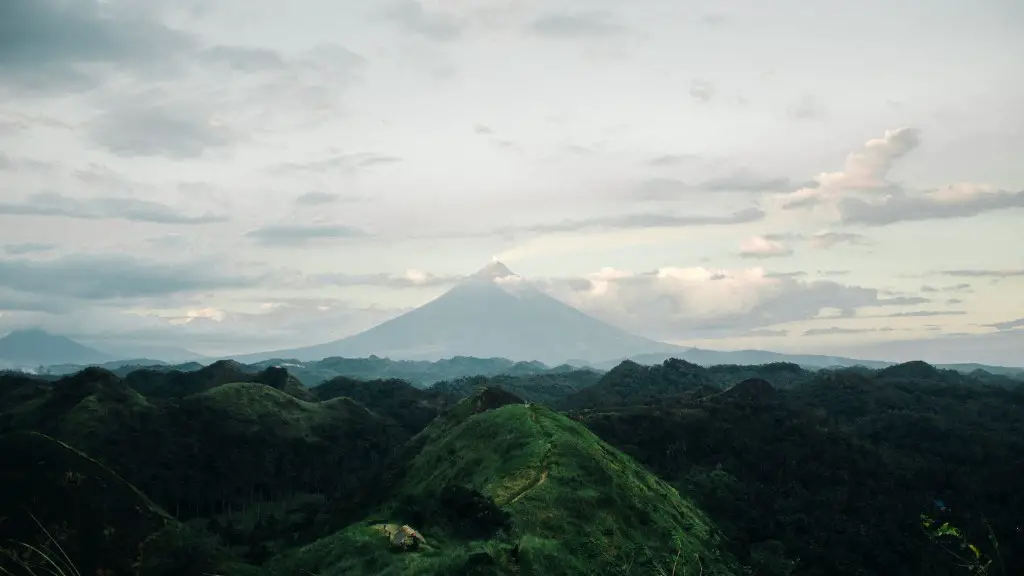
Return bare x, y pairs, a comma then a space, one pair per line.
233, 358
727, 177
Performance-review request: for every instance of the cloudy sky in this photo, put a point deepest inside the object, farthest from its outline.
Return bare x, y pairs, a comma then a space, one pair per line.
233, 176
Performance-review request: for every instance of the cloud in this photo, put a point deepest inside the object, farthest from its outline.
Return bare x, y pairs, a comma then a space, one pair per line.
761, 247
865, 169
643, 220
576, 25
702, 90
977, 273
56, 45
415, 17
119, 208
767, 333
244, 58
836, 330
903, 301
819, 240
1008, 325
672, 160
962, 287
662, 188
28, 248
411, 279
164, 105
146, 127
956, 201
317, 198
824, 240
343, 162
13, 301
680, 303
745, 182
283, 235
921, 314
105, 277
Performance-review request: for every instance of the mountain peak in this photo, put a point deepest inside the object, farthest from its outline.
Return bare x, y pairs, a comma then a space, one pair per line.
493, 271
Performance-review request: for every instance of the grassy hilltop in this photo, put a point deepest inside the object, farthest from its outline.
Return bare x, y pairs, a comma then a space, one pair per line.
521, 489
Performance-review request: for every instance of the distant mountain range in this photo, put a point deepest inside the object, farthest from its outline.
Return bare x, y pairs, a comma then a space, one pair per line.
32, 348
493, 316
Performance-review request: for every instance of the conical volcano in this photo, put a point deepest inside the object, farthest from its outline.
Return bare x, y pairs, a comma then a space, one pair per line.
492, 313
493, 271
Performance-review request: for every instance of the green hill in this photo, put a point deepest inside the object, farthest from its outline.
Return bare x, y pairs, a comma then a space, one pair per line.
225, 451
168, 383
770, 470
412, 408
550, 388
520, 489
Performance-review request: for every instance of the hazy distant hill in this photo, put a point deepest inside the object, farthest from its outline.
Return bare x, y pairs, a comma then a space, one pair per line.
709, 358
32, 348
493, 313
418, 372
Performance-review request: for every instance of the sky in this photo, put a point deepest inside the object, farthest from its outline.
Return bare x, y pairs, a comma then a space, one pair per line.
831, 177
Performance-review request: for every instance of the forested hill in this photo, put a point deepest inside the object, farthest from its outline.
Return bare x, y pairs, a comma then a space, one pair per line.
729, 470
313, 373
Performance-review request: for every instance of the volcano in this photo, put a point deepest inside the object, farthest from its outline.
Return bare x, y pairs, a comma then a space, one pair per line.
492, 313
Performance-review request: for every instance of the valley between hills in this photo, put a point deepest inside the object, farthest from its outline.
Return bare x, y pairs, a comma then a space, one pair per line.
668, 468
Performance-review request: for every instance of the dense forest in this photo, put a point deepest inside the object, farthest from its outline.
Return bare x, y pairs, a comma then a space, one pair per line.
670, 468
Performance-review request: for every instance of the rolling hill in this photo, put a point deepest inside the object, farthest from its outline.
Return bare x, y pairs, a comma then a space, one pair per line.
496, 486
674, 468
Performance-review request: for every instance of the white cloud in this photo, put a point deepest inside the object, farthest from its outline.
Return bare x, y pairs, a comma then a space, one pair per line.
679, 303
761, 247
865, 169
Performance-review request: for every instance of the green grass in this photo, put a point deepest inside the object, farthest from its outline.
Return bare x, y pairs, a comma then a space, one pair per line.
255, 405
577, 506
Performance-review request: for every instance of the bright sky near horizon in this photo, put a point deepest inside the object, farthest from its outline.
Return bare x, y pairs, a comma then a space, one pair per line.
236, 176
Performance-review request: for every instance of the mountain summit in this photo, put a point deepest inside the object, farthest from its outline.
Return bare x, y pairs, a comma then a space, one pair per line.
492, 313
493, 271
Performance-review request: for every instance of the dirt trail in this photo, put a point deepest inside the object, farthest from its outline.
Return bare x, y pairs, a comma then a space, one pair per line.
543, 476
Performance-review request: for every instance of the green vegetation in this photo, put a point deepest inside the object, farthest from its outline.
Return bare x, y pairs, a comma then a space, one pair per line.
668, 469
74, 515
418, 372
833, 474
574, 505
547, 389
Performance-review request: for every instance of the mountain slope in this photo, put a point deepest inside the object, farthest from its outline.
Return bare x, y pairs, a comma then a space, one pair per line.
490, 314
520, 489
31, 348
